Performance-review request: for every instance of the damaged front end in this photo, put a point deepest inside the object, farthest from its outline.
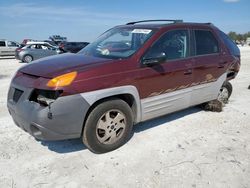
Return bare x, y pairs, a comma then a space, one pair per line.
45, 98
47, 113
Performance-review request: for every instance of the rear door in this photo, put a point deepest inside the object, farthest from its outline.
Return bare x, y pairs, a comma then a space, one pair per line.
208, 66
165, 87
35, 50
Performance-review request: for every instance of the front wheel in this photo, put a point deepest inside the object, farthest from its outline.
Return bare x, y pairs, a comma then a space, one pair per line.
108, 126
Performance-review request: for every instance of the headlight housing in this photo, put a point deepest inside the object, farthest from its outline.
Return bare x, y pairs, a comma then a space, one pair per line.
44, 97
62, 80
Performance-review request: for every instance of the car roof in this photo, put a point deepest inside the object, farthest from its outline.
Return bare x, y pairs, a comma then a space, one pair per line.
36, 42
154, 24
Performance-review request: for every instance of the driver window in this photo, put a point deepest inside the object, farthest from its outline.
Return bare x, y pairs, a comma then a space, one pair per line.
44, 47
173, 44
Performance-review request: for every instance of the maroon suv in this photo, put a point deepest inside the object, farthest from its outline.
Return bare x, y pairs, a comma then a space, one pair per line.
131, 73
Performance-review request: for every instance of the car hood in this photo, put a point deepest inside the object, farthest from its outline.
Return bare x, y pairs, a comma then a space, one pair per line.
53, 66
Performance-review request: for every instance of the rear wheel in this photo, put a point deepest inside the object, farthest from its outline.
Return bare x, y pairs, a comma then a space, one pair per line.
27, 58
225, 92
223, 96
108, 126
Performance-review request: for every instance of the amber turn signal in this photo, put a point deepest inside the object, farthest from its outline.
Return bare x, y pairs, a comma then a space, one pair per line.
62, 80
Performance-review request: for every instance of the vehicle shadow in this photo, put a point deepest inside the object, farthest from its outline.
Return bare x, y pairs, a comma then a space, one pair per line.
165, 119
3, 76
22, 62
74, 145
64, 146
7, 57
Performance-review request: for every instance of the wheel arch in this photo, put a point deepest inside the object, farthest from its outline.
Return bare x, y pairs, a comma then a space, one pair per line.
129, 94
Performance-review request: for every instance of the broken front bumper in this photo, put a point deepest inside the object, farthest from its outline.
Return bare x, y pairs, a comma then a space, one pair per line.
64, 119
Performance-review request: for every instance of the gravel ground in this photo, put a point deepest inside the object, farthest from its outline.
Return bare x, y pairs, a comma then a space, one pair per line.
190, 148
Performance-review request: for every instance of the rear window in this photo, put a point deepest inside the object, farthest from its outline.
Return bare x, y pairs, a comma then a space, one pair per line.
232, 47
206, 43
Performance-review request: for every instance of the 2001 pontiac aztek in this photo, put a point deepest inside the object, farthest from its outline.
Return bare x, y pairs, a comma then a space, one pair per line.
131, 73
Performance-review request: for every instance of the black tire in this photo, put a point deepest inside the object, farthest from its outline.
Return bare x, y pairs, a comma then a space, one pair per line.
217, 104
228, 88
27, 58
94, 137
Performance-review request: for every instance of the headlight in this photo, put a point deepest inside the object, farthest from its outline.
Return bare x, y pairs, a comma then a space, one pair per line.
62, 80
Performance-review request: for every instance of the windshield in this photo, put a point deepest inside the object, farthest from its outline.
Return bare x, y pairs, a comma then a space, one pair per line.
117, 43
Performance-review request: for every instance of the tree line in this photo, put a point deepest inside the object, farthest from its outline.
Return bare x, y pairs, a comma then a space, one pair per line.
238, 37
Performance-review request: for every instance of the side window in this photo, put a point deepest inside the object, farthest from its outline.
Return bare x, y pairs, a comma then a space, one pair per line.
12, 44
2, 43
173, 44
206, 43
32, 46
233, 48
48, 47
44, 47
38, 46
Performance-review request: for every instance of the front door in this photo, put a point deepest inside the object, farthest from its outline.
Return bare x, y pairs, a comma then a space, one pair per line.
165, 86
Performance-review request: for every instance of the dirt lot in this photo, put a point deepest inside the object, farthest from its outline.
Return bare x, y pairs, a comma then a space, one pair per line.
190, 148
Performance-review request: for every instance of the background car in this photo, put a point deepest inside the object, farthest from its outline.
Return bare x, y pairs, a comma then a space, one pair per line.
57, 39
35, 50
72, 47
7, 48
25, 41
29, 41
52, 43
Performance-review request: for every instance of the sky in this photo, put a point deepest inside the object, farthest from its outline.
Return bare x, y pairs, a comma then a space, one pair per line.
84, 20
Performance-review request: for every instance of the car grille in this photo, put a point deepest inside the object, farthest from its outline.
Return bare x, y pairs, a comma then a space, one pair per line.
17, 94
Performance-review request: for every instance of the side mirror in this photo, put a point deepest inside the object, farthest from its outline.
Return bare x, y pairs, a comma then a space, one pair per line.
154, 59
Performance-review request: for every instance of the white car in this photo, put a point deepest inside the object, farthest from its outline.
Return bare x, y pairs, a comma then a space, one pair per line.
7, 48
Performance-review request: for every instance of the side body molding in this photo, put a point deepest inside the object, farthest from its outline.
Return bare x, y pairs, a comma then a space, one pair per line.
93, 96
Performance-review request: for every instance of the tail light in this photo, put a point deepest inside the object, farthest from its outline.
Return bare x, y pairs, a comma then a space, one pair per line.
19, 49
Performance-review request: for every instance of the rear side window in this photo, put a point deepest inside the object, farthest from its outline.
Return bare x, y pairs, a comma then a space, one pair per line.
233, 48
2, 43
206, 43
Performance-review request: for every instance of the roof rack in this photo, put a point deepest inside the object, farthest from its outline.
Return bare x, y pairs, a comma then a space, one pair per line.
174, 21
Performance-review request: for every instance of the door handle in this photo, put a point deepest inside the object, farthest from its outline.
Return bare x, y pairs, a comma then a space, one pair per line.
222, 64
187, 72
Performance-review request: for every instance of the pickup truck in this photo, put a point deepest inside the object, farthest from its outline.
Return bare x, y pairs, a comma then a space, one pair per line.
7, 48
